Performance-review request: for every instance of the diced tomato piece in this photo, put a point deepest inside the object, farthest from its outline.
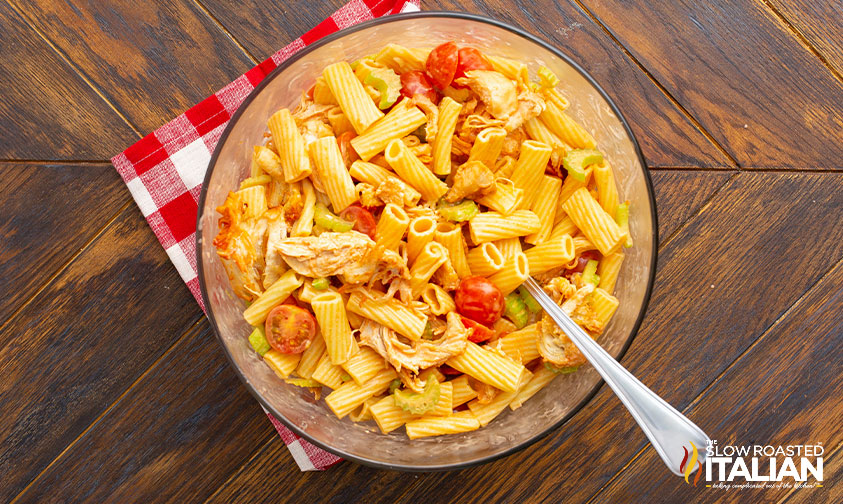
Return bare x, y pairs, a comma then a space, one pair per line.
441, 64
349, 155
363, 219
471, 59
416, 83
478, 332
582, 261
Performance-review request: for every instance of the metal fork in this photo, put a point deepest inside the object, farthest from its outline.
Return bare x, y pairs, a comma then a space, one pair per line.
669, 431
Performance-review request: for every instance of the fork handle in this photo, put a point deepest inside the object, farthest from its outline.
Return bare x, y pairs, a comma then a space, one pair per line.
668, 430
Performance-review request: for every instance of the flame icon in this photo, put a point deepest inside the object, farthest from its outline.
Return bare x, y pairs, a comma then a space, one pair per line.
690, 466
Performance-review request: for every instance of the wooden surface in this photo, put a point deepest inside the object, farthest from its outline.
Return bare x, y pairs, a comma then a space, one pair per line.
114, 388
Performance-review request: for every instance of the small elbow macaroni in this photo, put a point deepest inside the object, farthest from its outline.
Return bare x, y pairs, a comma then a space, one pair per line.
370, 204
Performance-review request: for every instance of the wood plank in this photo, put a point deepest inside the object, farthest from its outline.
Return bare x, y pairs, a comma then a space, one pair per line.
737, 69
782, 392
759, 267
82, 341
819, 23
666, 135
681, 193
255, 23
153, 60
832, 490
48, 112
344, 482
188, 423
47, 227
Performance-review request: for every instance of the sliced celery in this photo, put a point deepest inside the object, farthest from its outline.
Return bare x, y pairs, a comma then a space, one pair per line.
577, 160
532, 305
515, 310
258, 340
326, 219
418, 403
458, 212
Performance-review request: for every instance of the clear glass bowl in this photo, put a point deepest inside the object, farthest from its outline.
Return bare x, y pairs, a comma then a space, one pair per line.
512, 430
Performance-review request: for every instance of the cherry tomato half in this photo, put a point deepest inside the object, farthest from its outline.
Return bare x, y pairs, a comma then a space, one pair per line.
479, 299
416, 83
478, 332
441, 64
290, 329
349, 155
471, 59
363, 219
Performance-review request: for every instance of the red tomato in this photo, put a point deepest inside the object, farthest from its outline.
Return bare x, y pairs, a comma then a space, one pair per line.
363, 219
471, 59
448, 370
592, 255
416, 83
349, 155
479, 299
479, 333
290, 329
441, 64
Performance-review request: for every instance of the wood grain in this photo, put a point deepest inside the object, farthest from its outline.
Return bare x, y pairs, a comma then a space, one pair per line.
344, 482
690, 335
188, 422
152, 60
681, 193
832, 490
255, 23
776, 394
48, 112
819, 23
725, 62
47, 226
82, 341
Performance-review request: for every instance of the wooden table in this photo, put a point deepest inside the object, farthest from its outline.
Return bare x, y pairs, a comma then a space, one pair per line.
114, 388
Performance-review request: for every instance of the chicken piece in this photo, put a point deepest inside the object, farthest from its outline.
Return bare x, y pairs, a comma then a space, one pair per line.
396, 191
276, 230
446, 276
530, 105
293, 203
497, 92
351, 255
417, 355
472, 180
240, 246
367, 195
431, 111
485, 393
554, 345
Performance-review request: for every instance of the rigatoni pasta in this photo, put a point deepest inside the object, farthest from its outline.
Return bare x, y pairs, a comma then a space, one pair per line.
385, 229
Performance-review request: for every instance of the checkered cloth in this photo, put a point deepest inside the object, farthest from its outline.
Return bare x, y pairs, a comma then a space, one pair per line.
164, 171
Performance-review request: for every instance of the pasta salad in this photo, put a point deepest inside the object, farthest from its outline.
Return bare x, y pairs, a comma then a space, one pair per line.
389, 221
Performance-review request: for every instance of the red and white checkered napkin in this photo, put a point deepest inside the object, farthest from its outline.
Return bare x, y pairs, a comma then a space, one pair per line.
164, 171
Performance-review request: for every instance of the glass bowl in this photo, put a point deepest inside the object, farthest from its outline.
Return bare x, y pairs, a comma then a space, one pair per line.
512, 430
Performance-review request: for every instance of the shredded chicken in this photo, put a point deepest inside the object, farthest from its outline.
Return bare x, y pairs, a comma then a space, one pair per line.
416, 355
494, 89
396, 191
530, 105
432, 112
352, 255
292, 203
367, 195
446, 276
554, 345
472, 180
276, 230
485, 392
240, 245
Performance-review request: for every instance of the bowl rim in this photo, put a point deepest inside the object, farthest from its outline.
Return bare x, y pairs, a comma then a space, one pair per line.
330, 38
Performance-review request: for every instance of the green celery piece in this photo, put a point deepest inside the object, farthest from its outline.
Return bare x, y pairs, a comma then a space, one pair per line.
396, 383
532, 305
258, 340
327, 220
387, 83
303, 382
589, 274
458, 212
418, 403
515, 310
345, 377
577, 160
320, 283
558, 370
421, 133
622, 218
428, 332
